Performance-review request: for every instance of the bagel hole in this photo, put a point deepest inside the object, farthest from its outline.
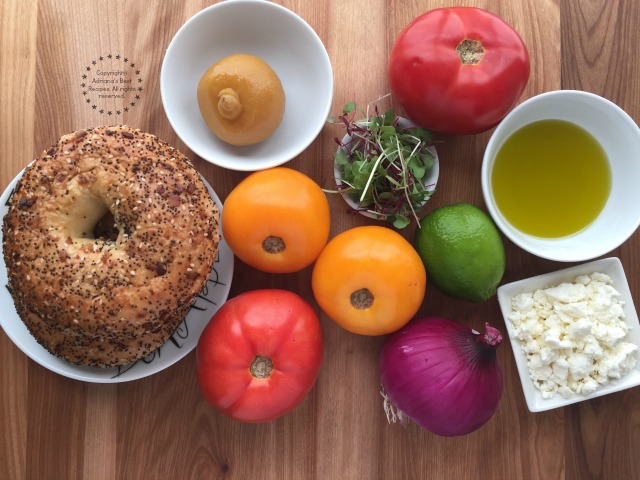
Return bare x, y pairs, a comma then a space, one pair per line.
105, 229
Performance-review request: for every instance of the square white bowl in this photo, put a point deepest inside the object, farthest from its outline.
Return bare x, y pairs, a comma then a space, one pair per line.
610, 266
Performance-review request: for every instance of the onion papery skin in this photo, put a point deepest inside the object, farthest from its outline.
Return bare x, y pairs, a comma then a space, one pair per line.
442, 374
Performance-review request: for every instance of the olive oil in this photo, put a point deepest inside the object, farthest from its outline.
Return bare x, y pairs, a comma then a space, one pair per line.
551, 178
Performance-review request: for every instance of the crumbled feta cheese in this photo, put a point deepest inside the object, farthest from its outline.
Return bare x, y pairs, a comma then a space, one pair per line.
580, 328
573, 335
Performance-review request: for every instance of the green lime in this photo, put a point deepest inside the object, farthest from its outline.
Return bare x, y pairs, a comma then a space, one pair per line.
462, 251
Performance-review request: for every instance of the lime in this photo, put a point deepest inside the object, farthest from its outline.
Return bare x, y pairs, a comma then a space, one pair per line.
462, 251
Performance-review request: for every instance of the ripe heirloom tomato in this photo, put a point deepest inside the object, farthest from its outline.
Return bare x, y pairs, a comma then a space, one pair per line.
369, 280
458, 70
259, 355
276, 220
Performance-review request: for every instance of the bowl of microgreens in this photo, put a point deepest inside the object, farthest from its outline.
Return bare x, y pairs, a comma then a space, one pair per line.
385, 167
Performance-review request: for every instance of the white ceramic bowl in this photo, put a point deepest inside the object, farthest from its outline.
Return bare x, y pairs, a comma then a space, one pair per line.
619, 136
276, 35
430, 180
610, 266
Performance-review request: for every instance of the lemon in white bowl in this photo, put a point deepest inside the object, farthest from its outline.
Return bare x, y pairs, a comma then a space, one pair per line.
272, 33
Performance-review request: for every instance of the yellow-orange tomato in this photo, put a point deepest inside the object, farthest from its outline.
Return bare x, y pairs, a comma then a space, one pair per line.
276, 220
369, 280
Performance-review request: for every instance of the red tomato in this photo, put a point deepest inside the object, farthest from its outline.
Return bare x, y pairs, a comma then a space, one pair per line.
259, 355
458, 70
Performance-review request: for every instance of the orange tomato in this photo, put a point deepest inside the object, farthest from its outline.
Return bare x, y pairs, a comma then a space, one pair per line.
370, 280
276, 220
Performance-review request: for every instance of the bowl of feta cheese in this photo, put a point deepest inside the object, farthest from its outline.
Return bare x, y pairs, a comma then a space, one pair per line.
574, 333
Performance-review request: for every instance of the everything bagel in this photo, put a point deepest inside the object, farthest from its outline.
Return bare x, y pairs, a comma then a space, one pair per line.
110, 236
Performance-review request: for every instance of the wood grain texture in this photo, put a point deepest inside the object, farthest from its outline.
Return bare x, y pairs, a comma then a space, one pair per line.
598, 48
160, 427
17, 77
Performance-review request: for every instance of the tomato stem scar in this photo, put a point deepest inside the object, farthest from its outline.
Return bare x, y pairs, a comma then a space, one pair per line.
470, 51
273, 244
261, 367
362, 299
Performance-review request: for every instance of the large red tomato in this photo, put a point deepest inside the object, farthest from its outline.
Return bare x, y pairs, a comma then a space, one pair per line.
259, 355
458, 70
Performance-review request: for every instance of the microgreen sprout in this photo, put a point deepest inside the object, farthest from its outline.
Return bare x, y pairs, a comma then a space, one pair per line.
382, 165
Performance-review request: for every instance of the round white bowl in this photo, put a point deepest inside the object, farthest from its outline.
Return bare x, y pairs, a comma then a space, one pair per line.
618, 135
276, 35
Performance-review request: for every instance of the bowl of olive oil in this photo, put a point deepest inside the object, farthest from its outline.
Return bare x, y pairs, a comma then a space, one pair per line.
559, 175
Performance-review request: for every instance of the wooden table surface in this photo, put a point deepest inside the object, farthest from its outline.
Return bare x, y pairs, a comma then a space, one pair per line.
53, 427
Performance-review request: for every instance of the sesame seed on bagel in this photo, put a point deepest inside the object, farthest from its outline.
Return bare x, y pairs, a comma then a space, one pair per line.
110, 236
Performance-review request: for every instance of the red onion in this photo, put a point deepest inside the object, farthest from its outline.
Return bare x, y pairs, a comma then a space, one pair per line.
442, 375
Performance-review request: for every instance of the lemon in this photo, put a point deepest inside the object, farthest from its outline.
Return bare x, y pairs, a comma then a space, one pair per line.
241, 99
462, 251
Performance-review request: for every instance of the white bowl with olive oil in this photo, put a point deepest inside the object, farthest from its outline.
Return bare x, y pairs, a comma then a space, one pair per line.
560, 175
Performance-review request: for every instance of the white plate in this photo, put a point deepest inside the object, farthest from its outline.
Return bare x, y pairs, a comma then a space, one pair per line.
183, 341
610, 266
